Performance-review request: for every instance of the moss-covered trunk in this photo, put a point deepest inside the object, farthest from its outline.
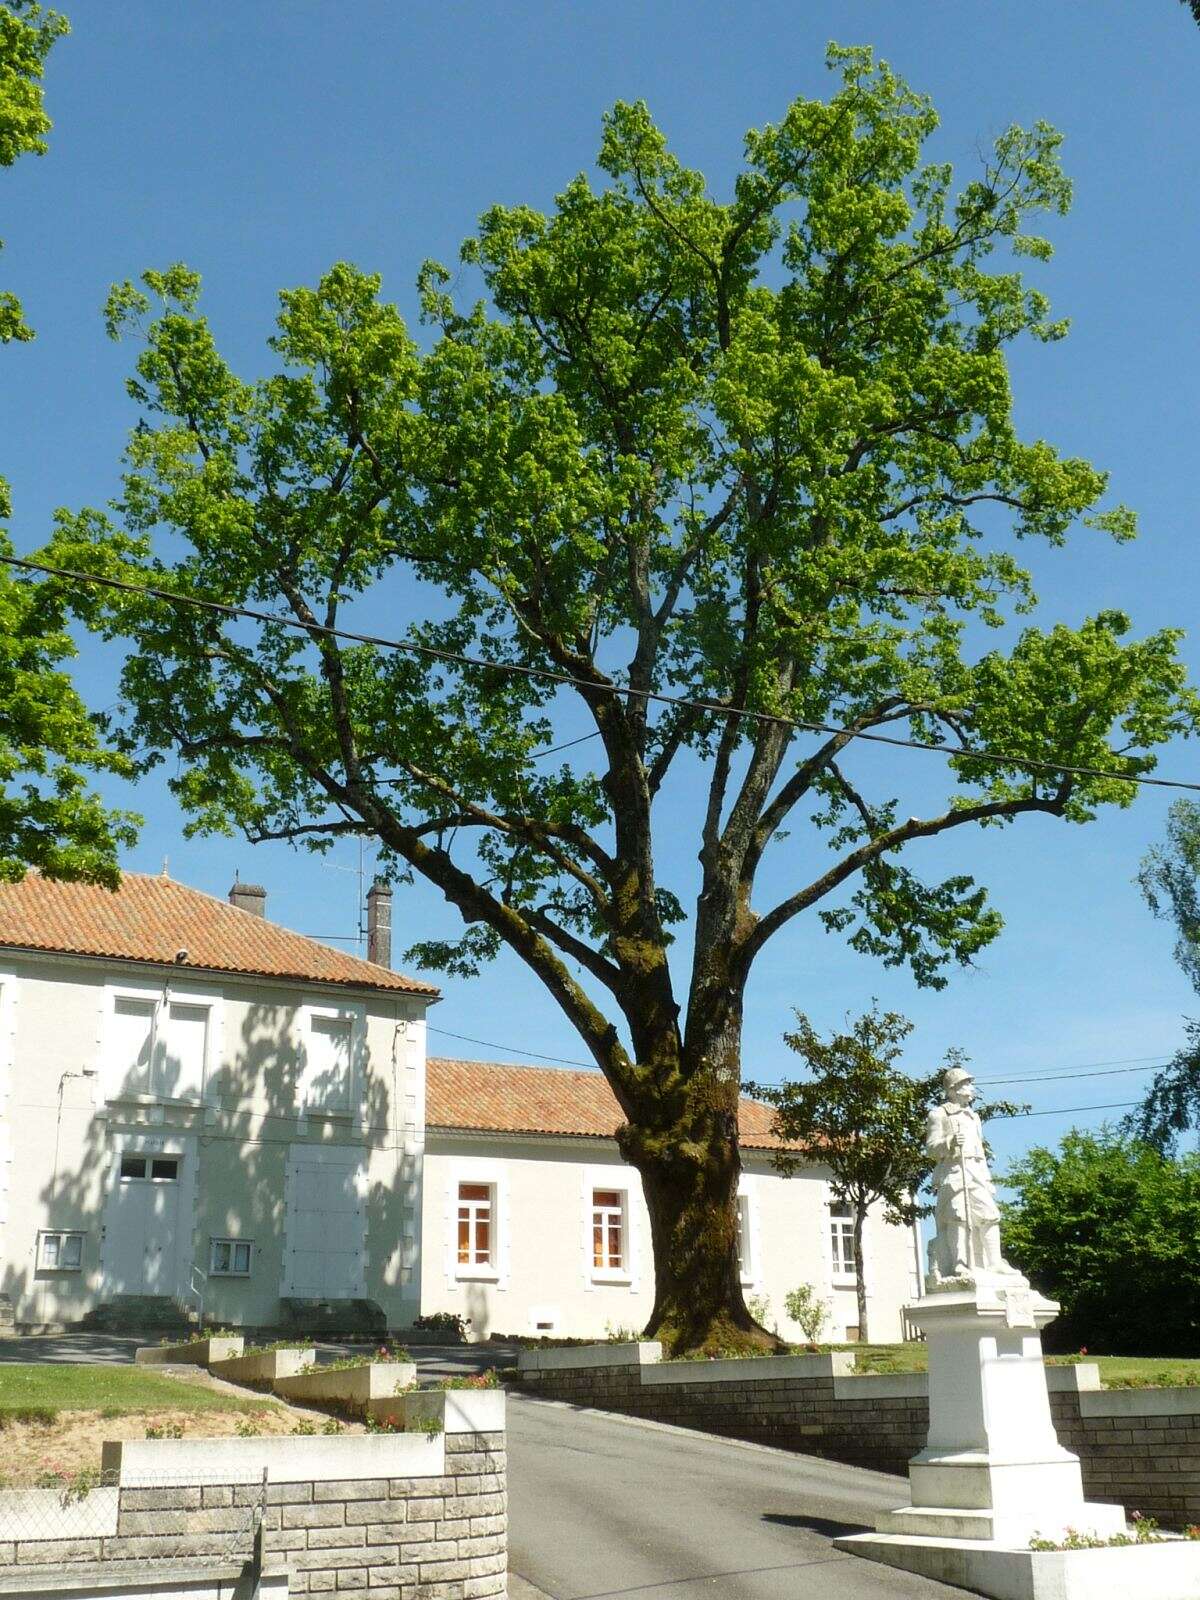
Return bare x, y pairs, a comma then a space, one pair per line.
689, 1167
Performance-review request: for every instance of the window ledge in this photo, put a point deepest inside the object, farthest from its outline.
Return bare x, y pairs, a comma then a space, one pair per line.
59, 1270
620, 1279
476, 1274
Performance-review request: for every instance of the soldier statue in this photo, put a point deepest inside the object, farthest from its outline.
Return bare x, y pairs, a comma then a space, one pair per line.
965, 1250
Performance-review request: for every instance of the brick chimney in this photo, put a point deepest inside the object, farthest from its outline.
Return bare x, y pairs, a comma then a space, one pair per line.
379, 923
250, 897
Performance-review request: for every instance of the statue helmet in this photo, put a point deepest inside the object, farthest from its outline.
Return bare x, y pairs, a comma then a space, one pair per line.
954, 1076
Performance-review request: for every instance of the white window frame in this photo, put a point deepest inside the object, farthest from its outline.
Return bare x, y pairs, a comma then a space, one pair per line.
161, 996
355, 1016
62, 1235
474, 1267
605, 1273
600, 1279
233, 1270
746, 1251
472, 1169
841, 1237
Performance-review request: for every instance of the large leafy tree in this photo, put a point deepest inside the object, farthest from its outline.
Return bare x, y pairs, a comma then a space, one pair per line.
48, 742
1108, 1226
756, 453
862, 1116
1170, 881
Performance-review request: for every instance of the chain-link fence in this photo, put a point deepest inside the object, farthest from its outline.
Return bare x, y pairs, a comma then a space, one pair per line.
62, 1518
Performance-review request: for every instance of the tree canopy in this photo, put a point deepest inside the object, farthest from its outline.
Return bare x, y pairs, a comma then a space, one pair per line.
1108, 1226
733, 480
49, 744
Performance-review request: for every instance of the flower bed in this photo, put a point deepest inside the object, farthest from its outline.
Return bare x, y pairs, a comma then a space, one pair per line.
194, 1352
350, 1389
263, 1366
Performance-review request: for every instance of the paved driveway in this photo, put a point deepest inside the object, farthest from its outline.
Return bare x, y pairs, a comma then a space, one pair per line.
603, 1506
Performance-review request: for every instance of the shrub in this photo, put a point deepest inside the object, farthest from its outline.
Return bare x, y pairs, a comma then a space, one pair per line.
447, 1322
810, 1313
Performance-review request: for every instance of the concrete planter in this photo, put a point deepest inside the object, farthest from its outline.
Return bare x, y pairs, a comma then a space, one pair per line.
444, 1410
196, 1353
54, 1514
154, 1462
350, 1388
263, 1366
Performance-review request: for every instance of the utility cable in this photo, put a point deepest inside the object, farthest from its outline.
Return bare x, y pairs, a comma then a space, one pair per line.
1029, 764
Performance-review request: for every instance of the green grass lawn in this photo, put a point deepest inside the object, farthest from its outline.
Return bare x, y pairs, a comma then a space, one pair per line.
1157, 1372
48, 1387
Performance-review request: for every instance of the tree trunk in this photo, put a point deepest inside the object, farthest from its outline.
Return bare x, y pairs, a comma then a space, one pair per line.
860, 1274
689, 1170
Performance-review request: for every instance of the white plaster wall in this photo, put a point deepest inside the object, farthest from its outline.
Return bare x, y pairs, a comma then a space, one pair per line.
542, 1268
237, 1136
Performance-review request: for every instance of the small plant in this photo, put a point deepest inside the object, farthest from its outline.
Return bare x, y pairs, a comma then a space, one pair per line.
383, 1425
365, 1358
614, 1333
248, 1428
332, 1425
1145, 1531
72, 1485
165, 1430
474, 1380
305, 1428
759, 1307
1192, 1531
807, 1311
39, 1416
446, 1322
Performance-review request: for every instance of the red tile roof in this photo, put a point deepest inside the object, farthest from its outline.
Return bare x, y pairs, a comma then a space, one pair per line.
148, 919
494, 1097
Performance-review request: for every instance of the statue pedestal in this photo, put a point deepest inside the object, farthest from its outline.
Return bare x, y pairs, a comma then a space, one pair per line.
993, 1475
992, 1467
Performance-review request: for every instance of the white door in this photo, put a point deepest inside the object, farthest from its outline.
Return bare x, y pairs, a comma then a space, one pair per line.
141, 1225
326, 1224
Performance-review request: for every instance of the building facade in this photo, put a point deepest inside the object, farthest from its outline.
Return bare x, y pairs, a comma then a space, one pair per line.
203, 1112
534, 1225
201, 1109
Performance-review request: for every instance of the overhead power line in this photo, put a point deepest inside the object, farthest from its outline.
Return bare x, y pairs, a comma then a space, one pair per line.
1029, 764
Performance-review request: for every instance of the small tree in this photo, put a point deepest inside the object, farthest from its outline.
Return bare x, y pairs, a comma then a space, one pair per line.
865, 1117
808, 1310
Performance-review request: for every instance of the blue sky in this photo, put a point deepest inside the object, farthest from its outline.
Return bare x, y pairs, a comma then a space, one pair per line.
261, 142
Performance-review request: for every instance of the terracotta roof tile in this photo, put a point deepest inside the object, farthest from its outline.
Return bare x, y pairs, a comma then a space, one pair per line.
494, 1097
149, 918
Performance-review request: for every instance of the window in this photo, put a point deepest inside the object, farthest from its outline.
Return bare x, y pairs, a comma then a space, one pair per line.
154, 1169
608, 1230
744, 1247
841, 1238
230, 1258
159, 1047
60, 1252
326, 1078
475, 1225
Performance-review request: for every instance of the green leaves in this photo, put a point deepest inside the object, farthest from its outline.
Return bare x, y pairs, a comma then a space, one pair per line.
1108, 1226
755, 449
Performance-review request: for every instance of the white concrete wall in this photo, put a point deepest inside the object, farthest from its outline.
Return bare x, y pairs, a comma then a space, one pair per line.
67, 1120
542, 1267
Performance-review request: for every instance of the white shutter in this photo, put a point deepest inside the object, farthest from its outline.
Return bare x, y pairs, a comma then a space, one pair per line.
327, 1070
181, 1075
132, 1033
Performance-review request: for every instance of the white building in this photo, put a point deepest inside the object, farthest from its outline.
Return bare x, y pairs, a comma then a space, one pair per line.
197, 1105
199, 1108
533, 1223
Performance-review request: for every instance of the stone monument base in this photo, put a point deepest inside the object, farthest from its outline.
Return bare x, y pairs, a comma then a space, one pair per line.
993, 1477
1167, 1571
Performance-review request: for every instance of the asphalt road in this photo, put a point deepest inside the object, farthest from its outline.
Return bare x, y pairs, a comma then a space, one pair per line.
603, 1506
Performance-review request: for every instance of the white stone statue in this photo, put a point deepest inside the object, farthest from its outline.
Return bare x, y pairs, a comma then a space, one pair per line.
965, 1251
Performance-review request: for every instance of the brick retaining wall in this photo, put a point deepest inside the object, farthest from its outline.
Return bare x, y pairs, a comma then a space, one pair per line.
1137, 1447
394, 1515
